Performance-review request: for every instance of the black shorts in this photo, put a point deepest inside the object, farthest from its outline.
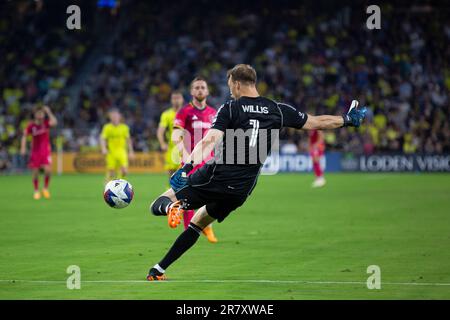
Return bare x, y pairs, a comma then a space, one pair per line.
218, 205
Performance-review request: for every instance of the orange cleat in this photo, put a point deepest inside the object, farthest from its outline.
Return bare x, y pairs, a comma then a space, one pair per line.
209, 233
155, 275
156, 278
175, 214
36, 195
46, 193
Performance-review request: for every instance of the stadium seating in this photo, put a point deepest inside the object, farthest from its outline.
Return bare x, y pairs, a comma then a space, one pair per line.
311, 61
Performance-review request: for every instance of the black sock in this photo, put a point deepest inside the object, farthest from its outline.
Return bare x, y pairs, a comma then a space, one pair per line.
160, 205
181, 245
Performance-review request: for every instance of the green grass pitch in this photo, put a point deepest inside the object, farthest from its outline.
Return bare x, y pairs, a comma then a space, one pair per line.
288, 241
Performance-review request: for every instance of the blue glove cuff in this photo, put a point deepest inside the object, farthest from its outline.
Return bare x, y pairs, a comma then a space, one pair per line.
347, 120
188, 167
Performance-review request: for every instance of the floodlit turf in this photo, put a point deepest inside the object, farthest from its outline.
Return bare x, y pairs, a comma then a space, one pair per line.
308, 243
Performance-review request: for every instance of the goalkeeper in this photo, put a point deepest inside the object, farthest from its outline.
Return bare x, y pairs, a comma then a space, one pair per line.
219, 187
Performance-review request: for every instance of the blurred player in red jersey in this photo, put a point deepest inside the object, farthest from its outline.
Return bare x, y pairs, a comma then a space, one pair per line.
40, 156
317, 151
190, 126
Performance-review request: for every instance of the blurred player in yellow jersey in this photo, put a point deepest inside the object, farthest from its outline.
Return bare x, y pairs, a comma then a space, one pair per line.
116, 145
165, 130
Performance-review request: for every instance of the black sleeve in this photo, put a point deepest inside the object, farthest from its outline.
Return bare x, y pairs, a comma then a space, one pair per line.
222, 119
291, 117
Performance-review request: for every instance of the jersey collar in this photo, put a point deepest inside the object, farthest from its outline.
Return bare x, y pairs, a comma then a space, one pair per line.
193, 106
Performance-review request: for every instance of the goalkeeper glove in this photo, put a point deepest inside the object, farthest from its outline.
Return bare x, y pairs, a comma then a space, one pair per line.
354, 116
179, 179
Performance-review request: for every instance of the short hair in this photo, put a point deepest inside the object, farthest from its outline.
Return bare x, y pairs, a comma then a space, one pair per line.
177, 91
37, 108
198, 78
114, 109
244, 73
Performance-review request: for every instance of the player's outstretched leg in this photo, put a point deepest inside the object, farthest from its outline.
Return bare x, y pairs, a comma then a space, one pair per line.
35, 178
47, 174
183, 243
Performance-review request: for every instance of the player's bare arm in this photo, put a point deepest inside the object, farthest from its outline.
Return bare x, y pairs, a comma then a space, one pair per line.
51, 117
205, 146
23, 143
160, 135
103, 146
178, 136
352, 118
130, 148
323, 122
200, 153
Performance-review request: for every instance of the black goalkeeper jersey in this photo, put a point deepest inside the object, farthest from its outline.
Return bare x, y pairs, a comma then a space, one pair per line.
251, 127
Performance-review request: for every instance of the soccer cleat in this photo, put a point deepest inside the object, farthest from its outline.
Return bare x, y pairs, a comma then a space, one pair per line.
155, 275
36, 195
209, 233
175, 213
319, 182
46, 193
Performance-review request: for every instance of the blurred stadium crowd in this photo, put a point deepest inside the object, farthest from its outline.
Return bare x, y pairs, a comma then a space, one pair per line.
317, 62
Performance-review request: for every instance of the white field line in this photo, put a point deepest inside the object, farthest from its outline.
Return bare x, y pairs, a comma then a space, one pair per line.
431, 284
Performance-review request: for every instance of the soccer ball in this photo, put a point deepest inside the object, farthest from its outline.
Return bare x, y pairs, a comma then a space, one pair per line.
118, 193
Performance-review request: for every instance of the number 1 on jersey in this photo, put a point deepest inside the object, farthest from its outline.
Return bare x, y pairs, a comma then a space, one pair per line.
255, 130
